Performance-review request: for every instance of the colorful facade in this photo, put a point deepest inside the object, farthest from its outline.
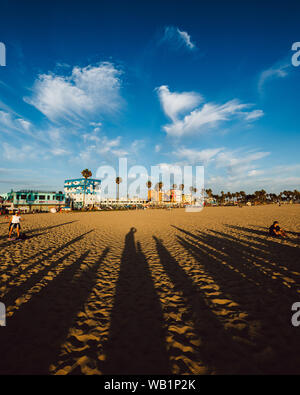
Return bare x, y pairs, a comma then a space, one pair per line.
35, 200
81, 192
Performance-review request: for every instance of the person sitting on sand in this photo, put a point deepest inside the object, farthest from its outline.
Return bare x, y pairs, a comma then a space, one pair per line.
275, 230
14, 223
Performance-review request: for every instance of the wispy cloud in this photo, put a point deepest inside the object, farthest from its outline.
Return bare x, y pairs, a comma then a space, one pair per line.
10, 122
192, 156
88, 92
278, 70
177, 38
13, 152
239, 162
200, 119
255, 114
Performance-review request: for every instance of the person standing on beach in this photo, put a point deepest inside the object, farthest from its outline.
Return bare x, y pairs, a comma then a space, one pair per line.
14, 223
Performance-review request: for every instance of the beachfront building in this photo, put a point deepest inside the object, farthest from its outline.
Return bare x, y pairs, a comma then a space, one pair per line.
33, 200
175, 195
81, 192
135, 201
158, 196
170, 196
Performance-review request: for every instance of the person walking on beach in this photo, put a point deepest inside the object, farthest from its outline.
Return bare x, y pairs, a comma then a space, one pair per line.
275, 230
14, 223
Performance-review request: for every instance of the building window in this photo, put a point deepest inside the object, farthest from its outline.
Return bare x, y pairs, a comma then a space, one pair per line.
35, 196
42, 197
23, 196
18, 197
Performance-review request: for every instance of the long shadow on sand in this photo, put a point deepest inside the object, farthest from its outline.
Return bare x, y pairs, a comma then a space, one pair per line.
38, 229
16, 292
263, 236
257, 261
32, 339
218, 349
267, 230
21, 240
136, 343
258, 293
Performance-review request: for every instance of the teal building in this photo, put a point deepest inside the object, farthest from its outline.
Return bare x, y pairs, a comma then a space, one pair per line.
35, 200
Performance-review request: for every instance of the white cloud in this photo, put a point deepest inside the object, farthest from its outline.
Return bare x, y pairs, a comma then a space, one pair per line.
99, 147
239, 163
19, 153
276, 71
255, 173
174, 103
193, 156
168, 168
255, 114
200, 119
186, 39
9, 122
178, 38
59, 151
88, 91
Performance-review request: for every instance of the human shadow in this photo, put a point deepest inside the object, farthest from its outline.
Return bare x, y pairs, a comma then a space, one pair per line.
275, 244
265, 258
255, 262
20, 239
263, 232
27, 232
35, 333
17, 291
218, 348
136, 343
263, 297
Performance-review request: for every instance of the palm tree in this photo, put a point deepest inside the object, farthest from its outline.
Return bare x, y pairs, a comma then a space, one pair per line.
209, 193
228, 196
243, 195
118, 181
149, 185
263, 196
296, 195
86, 173
160, 185
193, 190
181, 187
174, 186
222, 197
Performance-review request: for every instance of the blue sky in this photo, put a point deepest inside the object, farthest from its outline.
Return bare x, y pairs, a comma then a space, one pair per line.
158, 82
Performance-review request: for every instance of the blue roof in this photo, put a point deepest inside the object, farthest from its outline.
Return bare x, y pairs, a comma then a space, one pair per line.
82, 179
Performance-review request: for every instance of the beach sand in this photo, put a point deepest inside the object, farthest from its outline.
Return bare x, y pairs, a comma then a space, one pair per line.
151, 292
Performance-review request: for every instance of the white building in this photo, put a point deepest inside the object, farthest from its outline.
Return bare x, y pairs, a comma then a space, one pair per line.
81, 192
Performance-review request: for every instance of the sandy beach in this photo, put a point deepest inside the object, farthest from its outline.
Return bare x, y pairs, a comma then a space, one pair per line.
151, 292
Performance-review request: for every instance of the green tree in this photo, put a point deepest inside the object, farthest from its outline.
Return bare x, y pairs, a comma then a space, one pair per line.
118, 182
149, 185
86, 173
